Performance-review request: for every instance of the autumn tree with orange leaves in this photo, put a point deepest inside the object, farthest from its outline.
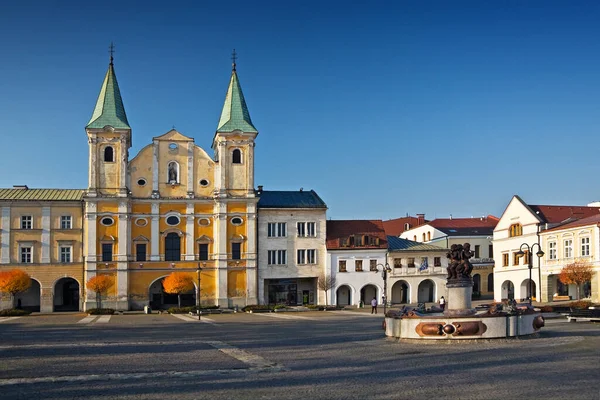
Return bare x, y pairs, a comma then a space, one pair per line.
576, 273
13, 282
178, 283
99, 284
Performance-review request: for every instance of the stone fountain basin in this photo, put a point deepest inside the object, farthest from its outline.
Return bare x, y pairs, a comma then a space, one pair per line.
476, 326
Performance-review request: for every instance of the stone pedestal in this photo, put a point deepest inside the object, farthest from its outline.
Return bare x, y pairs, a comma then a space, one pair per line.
459, 292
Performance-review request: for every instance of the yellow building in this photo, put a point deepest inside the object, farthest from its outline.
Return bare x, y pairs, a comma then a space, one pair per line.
171, 207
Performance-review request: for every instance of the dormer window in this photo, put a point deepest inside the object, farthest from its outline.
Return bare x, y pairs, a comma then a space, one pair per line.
109, 154
173, 173
236, 156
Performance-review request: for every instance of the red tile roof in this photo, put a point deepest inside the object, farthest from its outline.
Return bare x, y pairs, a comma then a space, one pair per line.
593, 220
558, 214
340, 229
481, 222
395, 227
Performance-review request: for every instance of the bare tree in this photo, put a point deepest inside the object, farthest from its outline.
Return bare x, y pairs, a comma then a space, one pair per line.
326, 283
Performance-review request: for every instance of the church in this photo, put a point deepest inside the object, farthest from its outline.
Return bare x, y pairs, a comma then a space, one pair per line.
171, 207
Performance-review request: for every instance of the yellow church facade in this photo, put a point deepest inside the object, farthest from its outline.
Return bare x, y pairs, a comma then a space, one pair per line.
172, 207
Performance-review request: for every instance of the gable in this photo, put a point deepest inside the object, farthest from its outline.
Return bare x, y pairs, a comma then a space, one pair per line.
517, 212
173, 135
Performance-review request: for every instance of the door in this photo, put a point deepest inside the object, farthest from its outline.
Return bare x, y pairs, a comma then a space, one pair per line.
305, 297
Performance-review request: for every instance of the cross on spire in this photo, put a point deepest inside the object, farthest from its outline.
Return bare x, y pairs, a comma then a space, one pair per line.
111, 51
233, 58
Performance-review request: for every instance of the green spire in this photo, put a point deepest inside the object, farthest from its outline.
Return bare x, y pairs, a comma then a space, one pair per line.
235, 113
109, 107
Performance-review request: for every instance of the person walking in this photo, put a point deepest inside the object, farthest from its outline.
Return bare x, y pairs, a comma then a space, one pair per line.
442, 303
374, 305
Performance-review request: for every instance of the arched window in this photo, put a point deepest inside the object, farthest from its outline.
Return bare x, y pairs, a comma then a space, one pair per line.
428, 236
491, 283
423, 236
476, 283
415, 238
173, 172
172, 247
109, 154
515, 230
236, 156
406, 226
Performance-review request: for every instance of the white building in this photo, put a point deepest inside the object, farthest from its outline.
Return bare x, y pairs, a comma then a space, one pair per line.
291, 247
520, 226
356, 256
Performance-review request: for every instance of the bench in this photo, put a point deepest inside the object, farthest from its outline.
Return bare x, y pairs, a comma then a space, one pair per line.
583, 315
561, 298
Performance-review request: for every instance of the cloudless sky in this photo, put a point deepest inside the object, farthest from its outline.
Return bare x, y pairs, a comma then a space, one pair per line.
383, 108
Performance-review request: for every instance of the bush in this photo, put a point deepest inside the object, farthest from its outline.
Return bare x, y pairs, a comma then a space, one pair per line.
312, 306
189, 309
257, 307
580, 304
101, 311
14, 312
279, 307
547, 309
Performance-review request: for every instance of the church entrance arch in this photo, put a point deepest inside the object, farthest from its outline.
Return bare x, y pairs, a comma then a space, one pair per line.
160, 300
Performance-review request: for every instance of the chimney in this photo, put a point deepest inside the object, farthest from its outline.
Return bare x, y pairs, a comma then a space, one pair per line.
21, 187
260, 189
301, 189
420, 219
450, 216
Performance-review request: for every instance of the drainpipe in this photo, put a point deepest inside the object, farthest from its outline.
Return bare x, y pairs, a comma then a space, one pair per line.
539, 288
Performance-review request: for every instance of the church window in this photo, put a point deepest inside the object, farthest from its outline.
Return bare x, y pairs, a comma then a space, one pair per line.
173, 146
173, 220
237, 156
141, 182
236, 251
107, 251
141, 222
237, 221
203, 182
172, 247
107, 221
140, 252
109, 154
173, 172
203, 252
204, 222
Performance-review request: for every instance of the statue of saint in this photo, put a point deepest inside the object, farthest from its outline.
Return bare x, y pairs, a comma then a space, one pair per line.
172, 173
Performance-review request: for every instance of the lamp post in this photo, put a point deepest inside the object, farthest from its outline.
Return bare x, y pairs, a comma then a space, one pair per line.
198, 271
539, 254
385, 269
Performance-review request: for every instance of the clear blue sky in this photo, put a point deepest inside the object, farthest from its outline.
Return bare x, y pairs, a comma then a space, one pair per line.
384, 108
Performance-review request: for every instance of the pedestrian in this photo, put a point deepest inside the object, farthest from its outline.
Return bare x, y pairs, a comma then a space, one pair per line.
442, 303
374, 305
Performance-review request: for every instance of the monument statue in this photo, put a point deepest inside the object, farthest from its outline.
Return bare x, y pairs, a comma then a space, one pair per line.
459, 266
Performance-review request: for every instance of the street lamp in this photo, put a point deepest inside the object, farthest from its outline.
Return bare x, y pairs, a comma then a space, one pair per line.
539, 254
385, 269
198, 304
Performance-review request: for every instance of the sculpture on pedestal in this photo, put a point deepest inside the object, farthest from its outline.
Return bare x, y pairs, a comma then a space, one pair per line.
459, 266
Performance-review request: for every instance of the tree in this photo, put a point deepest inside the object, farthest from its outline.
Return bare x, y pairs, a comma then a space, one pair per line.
576, 273
178, 283
99, 284
13, 282
326, 283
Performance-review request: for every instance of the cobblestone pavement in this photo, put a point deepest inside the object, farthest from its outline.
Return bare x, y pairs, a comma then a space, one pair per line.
320, 355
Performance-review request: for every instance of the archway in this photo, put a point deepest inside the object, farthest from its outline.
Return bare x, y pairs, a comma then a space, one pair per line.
343, 295
508, 290
476, 283
66, 295
29, 299
400, 293
159, 300
490, 285
525, 294
367, 293
426, 291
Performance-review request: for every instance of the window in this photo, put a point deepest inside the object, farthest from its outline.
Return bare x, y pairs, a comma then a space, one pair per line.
415, 238
526, 257
141, 222
505, 259
428, 236
172, 247
411, 262
301, 257
490, 281
109, 154
437, 261
311, 256
277, 229
65, 254
236, 156
397, 263
172, 172
307, 229
569, 248
65, 222
552, 250
204, 182
236, 251
203, 252
344, 242
406, 226
342, 266
140, 251
204, 222
26, 222
373, 265
516, 258
515, 230
477, 247
107, 221
424, 236
585, 246
26, 255
358, 265
237, 221
173, 220
272, 257
173, 146
491, 251
141, 182
107, 251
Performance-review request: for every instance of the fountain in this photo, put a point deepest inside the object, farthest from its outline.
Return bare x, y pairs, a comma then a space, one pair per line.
459, 321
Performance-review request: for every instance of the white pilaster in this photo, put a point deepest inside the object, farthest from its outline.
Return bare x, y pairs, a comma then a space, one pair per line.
91, 243
221, 250
124, 251
154, 233
190, 170
251, 258
189, 233
155, 168
251, 169
92, 163
5, 239
45, 236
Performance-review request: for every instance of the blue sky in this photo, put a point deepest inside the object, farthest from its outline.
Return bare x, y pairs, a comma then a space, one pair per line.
383, 108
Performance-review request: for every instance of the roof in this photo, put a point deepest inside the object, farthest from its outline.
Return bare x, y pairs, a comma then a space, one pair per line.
235, 113
396, 243
290, 199
593, 220
562, 214
41, 194
339, 229
465, 226
109, 106
395, 227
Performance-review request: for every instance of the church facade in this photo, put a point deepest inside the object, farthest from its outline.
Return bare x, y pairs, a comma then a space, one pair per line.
171, 207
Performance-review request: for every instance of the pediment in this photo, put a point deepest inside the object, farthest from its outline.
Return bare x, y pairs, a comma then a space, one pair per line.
173, 135
141, 238
204, 239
